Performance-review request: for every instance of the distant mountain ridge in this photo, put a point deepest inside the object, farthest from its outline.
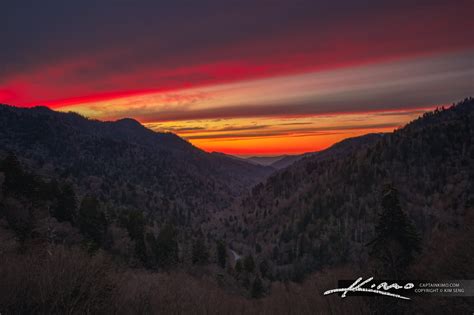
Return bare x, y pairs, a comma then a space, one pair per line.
288, 160
277, 162
265, 160
337, 149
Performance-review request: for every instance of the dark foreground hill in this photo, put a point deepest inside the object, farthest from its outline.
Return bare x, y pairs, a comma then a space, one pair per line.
125, 163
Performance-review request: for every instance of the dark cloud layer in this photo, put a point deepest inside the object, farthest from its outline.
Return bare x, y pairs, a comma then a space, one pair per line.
302, 109
313, 131
56, 50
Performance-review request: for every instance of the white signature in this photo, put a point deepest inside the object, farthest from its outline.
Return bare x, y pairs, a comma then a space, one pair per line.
381, 289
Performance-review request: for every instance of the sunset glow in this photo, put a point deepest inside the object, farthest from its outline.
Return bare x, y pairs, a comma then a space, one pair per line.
228, 84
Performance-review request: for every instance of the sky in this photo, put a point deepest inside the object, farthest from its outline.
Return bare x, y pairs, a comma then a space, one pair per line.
241, 77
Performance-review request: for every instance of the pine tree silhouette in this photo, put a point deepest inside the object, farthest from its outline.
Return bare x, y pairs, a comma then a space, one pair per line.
221, 253
257, 288
92, 222
396, 240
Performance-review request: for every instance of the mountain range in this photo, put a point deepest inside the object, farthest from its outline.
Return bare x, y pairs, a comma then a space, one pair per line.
125, 164
322, 210
154, 201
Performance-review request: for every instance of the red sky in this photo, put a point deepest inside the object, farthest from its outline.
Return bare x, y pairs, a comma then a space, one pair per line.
241, 77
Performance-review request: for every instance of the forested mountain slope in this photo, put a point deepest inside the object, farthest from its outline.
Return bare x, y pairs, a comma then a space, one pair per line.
322, 210
124, 163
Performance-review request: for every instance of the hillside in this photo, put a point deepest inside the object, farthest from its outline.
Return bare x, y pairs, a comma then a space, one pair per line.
118, 199
343, 147
125, 164
321, 211
287, 161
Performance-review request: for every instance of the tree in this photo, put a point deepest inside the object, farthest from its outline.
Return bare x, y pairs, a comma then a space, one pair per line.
238, 266
200, 254
275, 253
136, 229
264, 268
48, 191
20, 218
92, 221
249, 264
221, 253
17, 181
257, 288
165, 246
396, 240
65, 208
135, 224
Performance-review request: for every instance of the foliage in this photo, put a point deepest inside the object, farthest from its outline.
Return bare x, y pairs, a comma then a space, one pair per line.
257, 288
200, 253
322, 210
238, 266
396, 240
65, 209
92, 221
221, 253
249, 264
165, 246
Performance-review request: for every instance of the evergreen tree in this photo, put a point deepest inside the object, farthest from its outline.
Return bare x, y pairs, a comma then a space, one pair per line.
249, 264
17, 182
92, 221
20, 218
140, 250
166, 246
135, 224
264, 268
65, 208
257, 288
200, 254
16, 179
396, 240
136, 229
49, 191
221, 253
238, 266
